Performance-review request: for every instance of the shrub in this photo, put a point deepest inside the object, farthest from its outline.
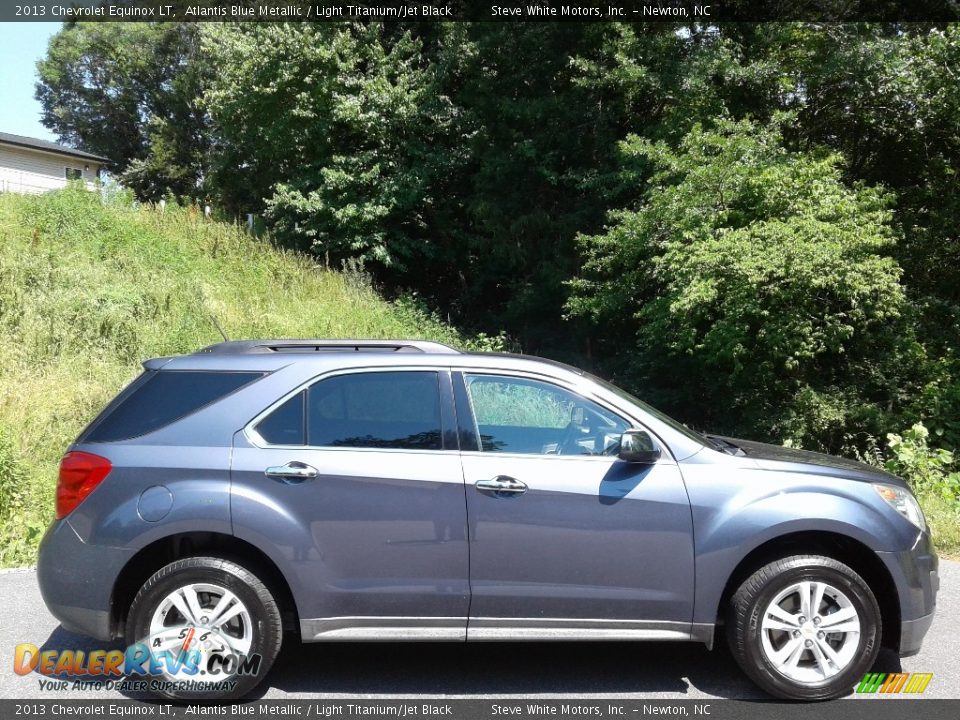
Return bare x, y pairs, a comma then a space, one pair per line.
11, 475
752, 292
20, 529
927, 469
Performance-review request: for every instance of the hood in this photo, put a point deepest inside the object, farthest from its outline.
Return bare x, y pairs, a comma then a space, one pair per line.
784, 459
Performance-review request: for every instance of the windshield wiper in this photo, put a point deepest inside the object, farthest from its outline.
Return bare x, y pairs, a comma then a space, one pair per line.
725, 445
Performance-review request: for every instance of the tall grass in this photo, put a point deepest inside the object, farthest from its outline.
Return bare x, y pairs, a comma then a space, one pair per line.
88, 291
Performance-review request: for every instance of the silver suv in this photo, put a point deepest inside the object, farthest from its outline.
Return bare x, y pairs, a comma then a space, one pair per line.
402, 490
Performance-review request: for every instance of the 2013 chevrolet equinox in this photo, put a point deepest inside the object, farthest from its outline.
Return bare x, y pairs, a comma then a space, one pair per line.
402, 490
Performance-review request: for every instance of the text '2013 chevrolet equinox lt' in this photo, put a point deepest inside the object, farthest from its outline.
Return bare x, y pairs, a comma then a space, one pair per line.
402, 490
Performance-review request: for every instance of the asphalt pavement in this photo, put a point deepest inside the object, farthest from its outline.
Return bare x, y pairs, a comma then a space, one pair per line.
480, 670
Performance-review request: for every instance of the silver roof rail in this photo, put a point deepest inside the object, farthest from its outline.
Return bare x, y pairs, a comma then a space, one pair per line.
248, 347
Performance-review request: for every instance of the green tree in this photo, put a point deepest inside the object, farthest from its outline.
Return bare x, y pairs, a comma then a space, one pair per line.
458, 160
130, 92
752, 291
332, 130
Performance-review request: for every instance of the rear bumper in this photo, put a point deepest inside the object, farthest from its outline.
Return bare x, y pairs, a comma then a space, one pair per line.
915, 573
76, 580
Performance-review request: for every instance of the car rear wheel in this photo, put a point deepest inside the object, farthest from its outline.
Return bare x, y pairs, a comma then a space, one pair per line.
805, 628
209, 627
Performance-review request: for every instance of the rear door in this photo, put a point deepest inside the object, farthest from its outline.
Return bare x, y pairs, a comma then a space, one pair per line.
566, 540
364, 463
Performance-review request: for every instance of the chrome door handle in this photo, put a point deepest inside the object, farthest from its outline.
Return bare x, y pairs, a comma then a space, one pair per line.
293, 470
501, 486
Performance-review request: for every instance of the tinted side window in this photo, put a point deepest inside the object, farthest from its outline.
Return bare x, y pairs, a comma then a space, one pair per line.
378, 409
519, 415
287, 424
164, 397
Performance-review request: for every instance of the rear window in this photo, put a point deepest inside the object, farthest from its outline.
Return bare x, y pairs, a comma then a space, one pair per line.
163, 397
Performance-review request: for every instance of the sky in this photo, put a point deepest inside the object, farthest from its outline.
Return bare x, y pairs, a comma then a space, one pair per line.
21, 45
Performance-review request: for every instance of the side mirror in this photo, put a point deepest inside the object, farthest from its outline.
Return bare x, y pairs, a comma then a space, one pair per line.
636, 446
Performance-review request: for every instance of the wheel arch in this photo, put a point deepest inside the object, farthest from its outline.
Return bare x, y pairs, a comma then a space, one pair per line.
158, 553
838, 546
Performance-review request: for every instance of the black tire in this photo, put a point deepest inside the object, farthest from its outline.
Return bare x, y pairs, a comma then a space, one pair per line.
266, 626
753, 597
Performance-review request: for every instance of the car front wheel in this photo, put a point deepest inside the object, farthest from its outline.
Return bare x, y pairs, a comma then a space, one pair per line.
805, 627
204, 628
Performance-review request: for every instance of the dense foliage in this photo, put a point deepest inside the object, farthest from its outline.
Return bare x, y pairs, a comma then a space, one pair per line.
754, 225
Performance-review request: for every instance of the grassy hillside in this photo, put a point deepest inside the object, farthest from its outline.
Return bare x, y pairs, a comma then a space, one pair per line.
88, 291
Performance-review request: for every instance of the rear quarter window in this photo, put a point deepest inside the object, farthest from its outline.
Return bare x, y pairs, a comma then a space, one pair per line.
163, 397
287, 424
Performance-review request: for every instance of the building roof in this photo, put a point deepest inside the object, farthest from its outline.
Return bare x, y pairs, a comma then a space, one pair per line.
47, 146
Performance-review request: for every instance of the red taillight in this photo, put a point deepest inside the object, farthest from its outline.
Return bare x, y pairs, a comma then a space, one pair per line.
80, 473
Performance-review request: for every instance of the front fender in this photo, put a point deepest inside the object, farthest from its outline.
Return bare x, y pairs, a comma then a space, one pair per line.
734, 516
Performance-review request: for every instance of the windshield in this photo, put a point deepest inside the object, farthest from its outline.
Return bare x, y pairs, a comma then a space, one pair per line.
662, 417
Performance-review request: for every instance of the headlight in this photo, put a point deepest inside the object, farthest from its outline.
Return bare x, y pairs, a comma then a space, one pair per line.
903, 502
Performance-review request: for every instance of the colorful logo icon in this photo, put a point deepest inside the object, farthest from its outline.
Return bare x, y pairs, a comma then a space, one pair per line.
894, 682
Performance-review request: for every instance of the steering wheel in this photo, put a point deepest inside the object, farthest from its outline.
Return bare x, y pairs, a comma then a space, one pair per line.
568, 441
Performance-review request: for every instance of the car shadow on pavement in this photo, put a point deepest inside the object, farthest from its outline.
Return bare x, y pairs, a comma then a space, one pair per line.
493, 669
523, 669
61, 639
496, 669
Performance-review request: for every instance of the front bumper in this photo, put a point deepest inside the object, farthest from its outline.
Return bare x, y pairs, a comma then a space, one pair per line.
76, 580
915, 574
912, 633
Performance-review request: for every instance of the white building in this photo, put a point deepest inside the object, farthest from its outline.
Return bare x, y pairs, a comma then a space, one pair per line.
28, 165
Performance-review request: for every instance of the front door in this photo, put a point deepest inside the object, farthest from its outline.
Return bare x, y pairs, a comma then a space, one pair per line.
373, 489
566, 540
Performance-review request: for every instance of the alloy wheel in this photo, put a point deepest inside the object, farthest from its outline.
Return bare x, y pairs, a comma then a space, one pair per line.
810, 632
202, 617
